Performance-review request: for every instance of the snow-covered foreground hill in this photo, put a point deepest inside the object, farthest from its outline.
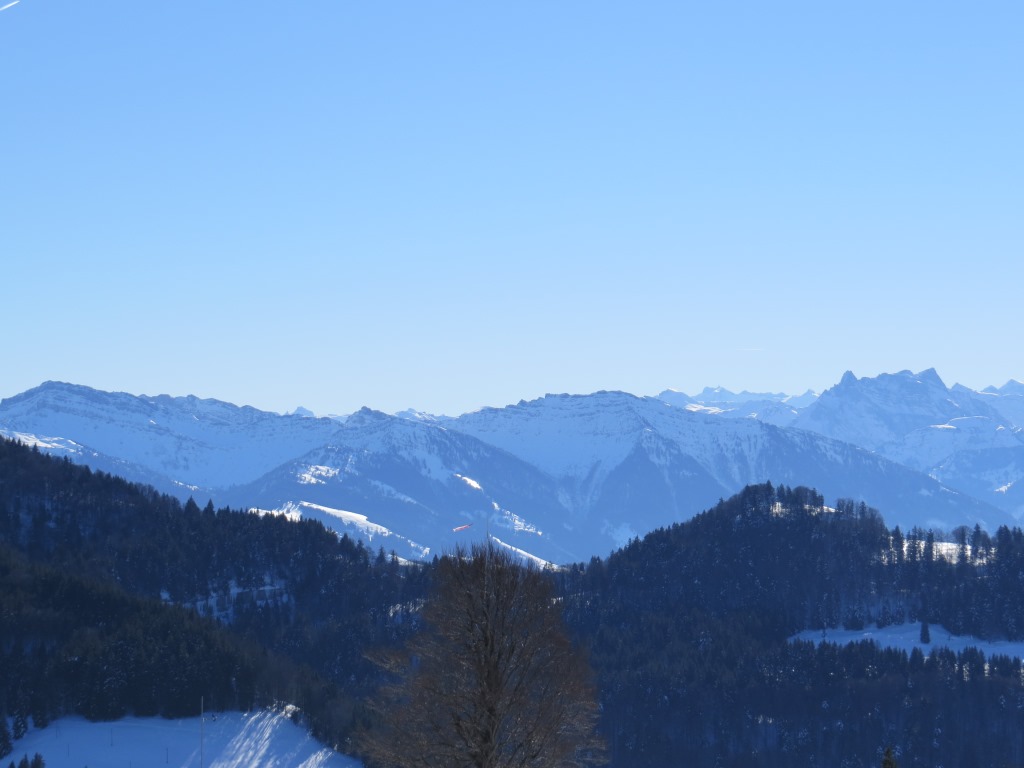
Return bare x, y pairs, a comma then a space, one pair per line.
906, 637
229, 740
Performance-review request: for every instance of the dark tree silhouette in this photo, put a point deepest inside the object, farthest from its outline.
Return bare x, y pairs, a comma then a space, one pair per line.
492, 681
5, 736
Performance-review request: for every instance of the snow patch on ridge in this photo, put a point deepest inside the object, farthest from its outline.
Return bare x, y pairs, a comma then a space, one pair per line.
518, 524
361, 526
469, 481
317, 475
47, 444
523, 554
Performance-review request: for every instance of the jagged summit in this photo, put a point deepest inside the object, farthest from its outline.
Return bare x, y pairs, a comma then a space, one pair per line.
906, 377
875, 412
847, 379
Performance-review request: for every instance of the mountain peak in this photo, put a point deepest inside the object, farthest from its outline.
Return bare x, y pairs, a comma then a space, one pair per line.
931, 376
366, 416
1012, 387
51, 393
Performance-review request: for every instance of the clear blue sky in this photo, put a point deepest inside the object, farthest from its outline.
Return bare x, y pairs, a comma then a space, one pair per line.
447, 205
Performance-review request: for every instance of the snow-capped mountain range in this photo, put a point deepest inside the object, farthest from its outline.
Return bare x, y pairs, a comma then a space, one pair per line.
563, 477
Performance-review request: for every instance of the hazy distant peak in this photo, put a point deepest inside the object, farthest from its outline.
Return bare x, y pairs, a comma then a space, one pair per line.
675, 397
1012, 387
411, 414
304, 413
714, 393
366, 416
723, 395
801, 401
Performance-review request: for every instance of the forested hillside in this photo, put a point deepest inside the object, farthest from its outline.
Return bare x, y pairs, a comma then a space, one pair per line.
110, 590
688, 631
115, 598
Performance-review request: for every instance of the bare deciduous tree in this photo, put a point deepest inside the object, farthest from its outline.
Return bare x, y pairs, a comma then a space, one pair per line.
492, 681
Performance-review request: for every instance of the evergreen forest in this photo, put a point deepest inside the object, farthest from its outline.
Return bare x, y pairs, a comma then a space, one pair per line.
116, 599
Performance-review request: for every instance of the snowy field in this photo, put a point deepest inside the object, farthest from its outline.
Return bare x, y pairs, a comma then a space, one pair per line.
232, 739
908, 636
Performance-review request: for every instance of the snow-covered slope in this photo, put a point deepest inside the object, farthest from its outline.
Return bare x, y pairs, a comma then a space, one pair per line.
223, 740
1008, 400
967, 440
632, 463
561, 477
178, 444
927, 448
407, 485
878, 412
996, 474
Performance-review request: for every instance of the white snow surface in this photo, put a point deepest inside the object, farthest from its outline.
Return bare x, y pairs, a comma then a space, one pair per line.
526, 556
469, 481
340, 519
354, 519
229, 740
193, 441
317, 474
56, 445
580, 436
906, 637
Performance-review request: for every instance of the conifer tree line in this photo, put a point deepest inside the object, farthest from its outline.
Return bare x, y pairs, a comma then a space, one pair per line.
36, 762
116, 599
109, 590
689, 629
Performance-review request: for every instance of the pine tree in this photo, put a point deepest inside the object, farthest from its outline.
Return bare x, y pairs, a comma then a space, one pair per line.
926, 634
888, 761
6, 747
20, 724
